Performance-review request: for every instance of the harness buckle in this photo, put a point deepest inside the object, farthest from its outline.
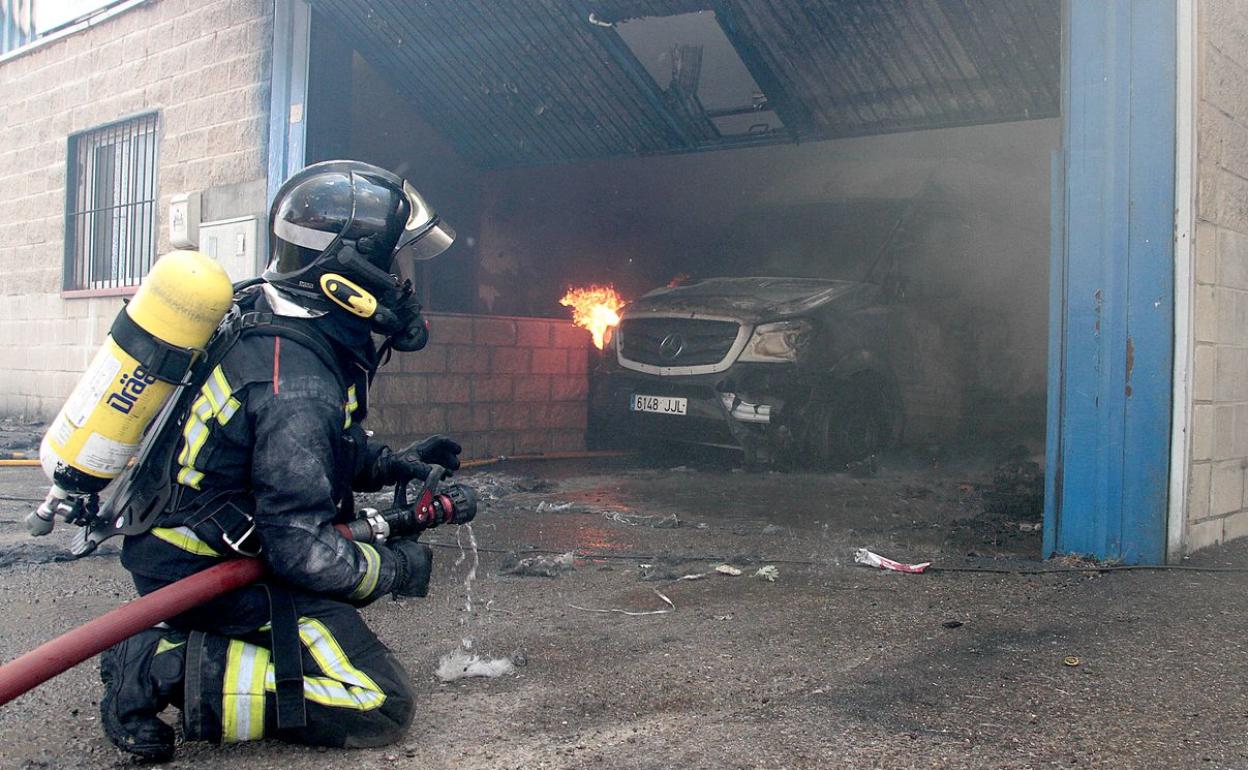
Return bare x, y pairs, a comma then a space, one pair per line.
238, 545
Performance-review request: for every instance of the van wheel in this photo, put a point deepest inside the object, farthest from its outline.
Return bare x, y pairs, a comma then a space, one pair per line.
854, 424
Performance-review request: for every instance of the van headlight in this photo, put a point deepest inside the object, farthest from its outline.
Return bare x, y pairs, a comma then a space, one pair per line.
774, 342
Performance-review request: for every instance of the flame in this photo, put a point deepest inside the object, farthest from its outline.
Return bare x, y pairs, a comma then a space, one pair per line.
595, 308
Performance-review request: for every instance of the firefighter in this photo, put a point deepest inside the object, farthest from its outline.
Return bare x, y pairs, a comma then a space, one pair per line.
267, 463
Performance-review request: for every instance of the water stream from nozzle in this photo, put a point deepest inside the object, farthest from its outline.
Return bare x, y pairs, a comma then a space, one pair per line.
469, 578
462, 663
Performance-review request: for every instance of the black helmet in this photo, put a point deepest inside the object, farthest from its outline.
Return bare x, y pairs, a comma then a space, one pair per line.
339, 227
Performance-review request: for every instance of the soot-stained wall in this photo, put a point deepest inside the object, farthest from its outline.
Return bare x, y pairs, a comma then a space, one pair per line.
963, 213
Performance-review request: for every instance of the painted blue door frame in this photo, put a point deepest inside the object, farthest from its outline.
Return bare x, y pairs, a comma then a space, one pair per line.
1112, 294
287, 98
1112, 322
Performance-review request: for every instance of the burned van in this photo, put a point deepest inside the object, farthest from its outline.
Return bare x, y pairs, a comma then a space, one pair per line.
780, 368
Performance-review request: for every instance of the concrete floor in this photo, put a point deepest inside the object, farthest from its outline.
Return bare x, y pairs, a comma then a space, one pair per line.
832, 665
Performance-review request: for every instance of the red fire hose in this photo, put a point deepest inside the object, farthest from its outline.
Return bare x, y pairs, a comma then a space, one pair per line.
73, 647
69, 649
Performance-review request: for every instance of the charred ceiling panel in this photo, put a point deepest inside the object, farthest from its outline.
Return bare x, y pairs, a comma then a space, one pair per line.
545, 81
512, 83
865, 67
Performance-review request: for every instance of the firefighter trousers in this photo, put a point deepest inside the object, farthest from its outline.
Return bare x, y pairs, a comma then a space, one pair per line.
355, 693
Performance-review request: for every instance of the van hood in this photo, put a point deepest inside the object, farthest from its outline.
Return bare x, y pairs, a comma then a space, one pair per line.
745, 299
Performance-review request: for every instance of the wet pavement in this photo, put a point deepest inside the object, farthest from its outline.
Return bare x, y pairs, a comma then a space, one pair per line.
830, 665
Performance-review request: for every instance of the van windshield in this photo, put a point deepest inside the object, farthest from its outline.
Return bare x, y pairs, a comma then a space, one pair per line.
827, 240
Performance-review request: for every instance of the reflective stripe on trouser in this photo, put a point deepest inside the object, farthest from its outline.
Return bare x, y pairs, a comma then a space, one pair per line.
355, 692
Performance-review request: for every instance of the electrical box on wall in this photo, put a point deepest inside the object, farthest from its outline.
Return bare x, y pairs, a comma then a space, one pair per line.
184, 221
234, 244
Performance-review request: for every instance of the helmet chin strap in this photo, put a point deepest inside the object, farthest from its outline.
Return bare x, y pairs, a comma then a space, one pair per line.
408, 332
371, 294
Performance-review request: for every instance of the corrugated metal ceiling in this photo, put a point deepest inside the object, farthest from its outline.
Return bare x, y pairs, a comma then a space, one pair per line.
545, 81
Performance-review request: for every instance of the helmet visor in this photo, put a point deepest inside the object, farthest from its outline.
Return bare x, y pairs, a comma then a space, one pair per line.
425, 236
420, 214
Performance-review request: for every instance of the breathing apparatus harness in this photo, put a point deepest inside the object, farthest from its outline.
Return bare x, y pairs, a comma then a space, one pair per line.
146, 489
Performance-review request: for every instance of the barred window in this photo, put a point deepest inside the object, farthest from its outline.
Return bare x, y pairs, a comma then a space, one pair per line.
110, 212
17, 27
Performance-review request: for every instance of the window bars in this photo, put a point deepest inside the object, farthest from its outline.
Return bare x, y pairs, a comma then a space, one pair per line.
16, 24
110, 212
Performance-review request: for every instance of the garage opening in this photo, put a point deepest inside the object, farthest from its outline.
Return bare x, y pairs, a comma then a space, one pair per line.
828, 223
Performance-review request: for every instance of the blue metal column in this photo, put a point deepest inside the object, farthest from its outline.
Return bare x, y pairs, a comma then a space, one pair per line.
288, 96
1111, 348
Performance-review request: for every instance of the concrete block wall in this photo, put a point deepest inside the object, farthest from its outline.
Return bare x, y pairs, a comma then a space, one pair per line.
499, 386
204, 66
1218, 494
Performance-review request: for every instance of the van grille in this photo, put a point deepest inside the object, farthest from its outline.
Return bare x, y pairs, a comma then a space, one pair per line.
676, 341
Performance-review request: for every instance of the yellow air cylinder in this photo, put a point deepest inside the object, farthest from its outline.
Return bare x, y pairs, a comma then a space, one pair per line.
149, 349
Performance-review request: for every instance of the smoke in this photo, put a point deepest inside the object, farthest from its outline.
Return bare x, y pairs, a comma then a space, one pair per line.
957, 218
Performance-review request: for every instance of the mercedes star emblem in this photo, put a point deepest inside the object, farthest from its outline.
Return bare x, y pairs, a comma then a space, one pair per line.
671, 347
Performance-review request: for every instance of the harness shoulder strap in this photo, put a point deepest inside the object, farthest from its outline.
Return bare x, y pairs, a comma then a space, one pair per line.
261, 324
145, 489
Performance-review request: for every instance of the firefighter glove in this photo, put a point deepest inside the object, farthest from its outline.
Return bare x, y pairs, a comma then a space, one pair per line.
437, 450
415, 565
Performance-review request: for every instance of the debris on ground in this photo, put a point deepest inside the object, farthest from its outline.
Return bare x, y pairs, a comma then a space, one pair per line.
1071, 660
656, 521
1017, 489
494, 485
462, 664
668, 569
867, 467
863, 556
768, 573
538, 566
549, 507
953, 624
632, 613
19, 436
23, 553
1075, 561
728, 569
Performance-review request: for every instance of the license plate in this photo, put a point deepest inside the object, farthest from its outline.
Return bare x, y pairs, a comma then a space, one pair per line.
660, 404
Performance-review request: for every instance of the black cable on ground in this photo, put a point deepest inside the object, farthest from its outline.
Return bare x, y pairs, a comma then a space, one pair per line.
812, 563
1091, 568
615, 556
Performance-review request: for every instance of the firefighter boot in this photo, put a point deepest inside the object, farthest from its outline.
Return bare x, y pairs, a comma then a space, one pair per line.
142, 676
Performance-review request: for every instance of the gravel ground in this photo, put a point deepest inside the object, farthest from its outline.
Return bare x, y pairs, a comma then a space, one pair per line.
831, 665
